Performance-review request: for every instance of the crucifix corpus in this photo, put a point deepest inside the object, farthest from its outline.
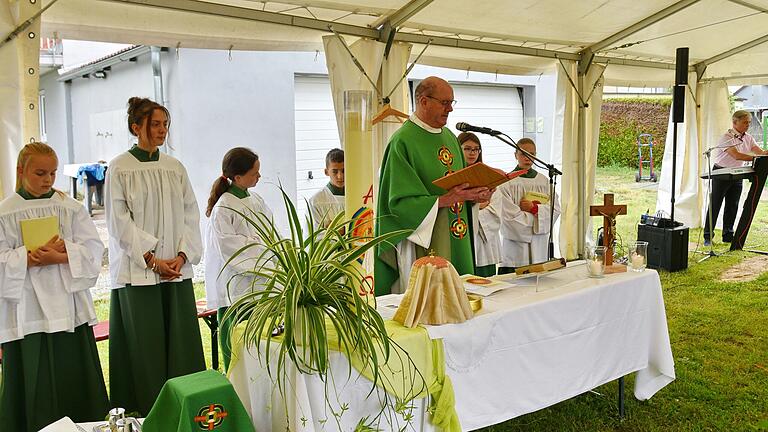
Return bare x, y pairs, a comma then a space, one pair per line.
609, 211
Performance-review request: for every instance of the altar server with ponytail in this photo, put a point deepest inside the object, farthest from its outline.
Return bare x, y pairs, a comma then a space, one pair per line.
228, 232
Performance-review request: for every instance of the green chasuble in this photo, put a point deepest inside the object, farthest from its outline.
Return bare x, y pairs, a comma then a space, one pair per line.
413, 159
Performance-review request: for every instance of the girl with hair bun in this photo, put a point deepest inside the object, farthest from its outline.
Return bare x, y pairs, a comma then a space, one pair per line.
51, 365
154, 238
228, 232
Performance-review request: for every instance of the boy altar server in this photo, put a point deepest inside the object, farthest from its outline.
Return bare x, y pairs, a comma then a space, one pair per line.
525, 214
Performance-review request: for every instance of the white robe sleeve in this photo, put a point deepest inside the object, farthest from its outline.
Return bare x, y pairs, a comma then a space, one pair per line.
543, 217
13, 270
85, 251
134, 241
516, 224
191, 242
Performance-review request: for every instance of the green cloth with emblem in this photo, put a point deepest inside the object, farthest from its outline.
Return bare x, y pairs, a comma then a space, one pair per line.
413, 159
202, 401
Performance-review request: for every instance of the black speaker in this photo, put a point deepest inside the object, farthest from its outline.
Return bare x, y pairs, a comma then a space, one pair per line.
678, 104
667, 247
681, 66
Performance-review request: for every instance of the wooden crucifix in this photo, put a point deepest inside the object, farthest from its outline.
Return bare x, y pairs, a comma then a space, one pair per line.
608, 211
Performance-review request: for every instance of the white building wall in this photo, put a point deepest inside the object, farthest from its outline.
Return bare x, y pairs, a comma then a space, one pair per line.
217, 103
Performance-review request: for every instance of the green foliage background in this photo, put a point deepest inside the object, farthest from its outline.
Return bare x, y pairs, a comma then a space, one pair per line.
622, 120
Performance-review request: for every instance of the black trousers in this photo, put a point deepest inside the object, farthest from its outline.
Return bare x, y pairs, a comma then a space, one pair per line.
730, 192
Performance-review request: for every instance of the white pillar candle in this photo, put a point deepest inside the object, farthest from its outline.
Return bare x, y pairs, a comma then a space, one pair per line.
638, 261
595, 267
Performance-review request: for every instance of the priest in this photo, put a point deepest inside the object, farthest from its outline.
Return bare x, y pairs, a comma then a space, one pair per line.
423, 150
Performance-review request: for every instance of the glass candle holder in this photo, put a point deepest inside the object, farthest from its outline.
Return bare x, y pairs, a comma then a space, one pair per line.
638, 256
595, 261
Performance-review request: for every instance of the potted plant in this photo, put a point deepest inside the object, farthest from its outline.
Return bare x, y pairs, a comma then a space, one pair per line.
308, 304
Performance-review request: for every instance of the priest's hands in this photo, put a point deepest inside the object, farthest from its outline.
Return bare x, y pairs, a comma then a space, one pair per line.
53, 252
463, 193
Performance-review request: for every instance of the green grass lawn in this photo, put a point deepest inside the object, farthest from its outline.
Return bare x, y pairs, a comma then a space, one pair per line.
718, 330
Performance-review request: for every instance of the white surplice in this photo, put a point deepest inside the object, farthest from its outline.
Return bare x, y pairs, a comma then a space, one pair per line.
324, 206
487, 238
226, 233
525, 236
149, 206
50, 298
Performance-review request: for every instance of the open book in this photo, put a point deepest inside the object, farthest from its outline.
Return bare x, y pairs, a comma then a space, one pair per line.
37, 232
477, 175
483, 286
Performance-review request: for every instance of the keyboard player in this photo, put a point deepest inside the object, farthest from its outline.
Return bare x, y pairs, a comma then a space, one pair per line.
734, 149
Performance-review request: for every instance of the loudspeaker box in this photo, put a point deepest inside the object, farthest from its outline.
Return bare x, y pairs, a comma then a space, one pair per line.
667, 247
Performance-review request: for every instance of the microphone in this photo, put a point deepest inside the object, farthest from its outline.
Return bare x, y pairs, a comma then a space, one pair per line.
466, 127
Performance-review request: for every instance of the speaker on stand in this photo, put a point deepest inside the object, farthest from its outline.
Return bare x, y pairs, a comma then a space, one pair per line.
668, 246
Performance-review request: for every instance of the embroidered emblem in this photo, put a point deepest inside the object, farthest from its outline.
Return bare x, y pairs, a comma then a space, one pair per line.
446, 157
210, 417
459, 228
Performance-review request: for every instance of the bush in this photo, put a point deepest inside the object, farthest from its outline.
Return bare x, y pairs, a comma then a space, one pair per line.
622, 120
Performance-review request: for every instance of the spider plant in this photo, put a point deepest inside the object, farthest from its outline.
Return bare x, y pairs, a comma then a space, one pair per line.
311, 288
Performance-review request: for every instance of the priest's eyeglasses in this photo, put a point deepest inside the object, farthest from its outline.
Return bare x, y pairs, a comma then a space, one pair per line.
450, 103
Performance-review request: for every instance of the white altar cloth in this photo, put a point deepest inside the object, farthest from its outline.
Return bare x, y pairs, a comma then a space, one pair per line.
527, 349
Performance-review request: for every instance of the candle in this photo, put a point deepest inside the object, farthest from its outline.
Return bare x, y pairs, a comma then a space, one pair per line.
638, 261
595, 267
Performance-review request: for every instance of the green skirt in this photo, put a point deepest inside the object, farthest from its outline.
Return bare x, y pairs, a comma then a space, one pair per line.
225, 328
154, 336
47, 376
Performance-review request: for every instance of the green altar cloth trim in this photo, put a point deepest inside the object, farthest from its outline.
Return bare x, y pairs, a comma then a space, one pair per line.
200, 401
398, 377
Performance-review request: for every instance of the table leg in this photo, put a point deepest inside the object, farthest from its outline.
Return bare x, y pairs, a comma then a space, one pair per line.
74, 187
621, 398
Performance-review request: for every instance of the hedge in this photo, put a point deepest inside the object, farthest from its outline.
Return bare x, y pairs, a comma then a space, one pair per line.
622, 120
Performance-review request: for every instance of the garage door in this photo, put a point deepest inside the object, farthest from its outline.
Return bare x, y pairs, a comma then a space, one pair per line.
496, 107
316, 134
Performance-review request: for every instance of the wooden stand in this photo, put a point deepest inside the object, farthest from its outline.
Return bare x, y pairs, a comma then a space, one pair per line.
609, 211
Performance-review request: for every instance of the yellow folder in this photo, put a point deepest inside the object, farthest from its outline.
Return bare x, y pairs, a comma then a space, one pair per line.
37, 232
542, 198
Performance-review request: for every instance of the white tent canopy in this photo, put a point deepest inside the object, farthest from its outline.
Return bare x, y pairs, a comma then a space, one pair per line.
635, 39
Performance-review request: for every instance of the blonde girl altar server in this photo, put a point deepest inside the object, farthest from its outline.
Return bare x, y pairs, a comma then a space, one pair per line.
50, 364
487, 242
525, 215
227, 232
154, 238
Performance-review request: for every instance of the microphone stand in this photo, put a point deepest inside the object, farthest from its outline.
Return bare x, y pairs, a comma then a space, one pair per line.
552, 172
712, 252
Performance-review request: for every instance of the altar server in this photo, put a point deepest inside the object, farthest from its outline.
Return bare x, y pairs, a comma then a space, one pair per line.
154, 238
525, 215
50, 256
228, 231
487, 241
329, 201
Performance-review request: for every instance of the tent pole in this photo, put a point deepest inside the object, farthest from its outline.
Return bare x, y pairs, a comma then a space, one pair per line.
581, 146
